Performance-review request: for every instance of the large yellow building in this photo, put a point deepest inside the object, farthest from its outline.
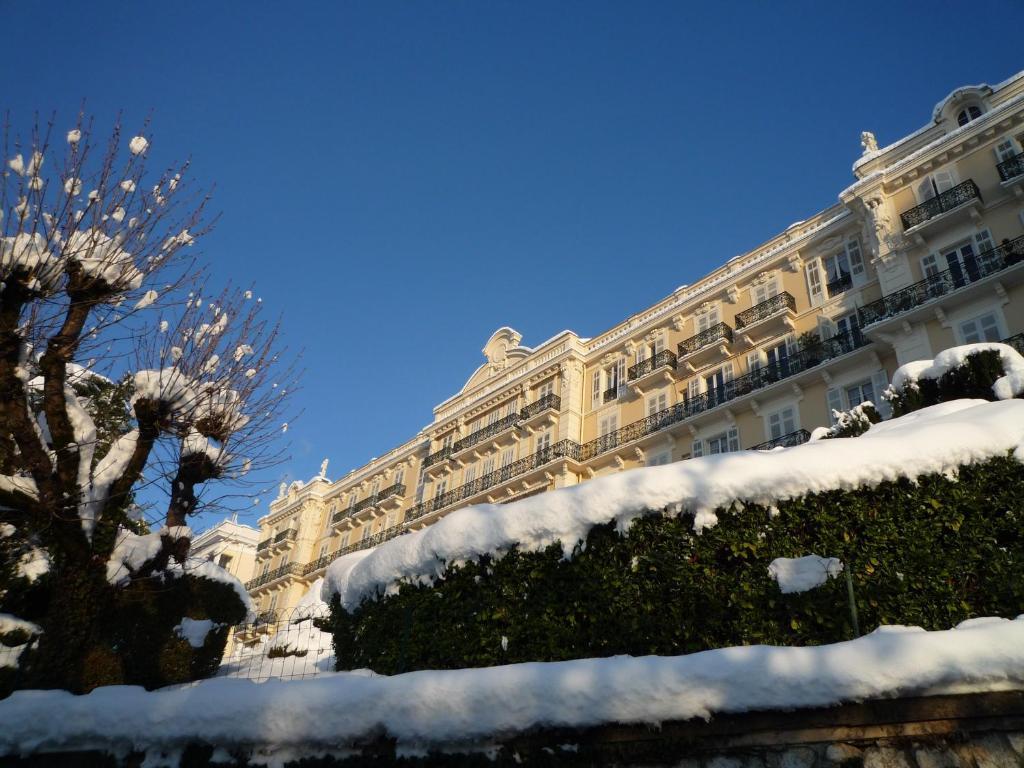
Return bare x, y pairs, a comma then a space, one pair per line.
919, 254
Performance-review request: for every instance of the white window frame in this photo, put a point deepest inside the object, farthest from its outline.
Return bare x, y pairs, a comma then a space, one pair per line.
998, 324
784, 421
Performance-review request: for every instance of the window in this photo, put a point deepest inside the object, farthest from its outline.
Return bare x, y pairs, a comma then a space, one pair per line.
545, 389
980, 329
1005, 149
595, 392
488, 466
365, 533
717, 384
400, 476
323, 549
657, 403
446, 441
542, 443
375, 488
469, 474
659, 459
967, 114
272, 606
421, 481
511, 408
507, 456
440, 486
707, 319
650, 348
961, 260
266, 569
815, 288
724, 442
935, 185
343, 542
608, 425
493, 417
782, 422
351, 500
391, 520
858, 393
764, 291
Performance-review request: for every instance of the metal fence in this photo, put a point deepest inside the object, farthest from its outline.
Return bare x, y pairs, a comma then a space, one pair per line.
280, 645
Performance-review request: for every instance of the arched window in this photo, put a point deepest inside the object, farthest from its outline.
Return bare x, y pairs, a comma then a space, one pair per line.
967, 114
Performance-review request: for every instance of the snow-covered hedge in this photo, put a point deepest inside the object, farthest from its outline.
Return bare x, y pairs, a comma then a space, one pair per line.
924, 511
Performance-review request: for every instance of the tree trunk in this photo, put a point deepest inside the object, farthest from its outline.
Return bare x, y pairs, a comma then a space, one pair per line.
75, 650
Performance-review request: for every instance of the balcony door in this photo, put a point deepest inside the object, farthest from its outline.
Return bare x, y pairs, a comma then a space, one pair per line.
716, 384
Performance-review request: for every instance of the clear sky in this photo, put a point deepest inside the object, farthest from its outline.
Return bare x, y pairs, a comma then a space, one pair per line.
402, 178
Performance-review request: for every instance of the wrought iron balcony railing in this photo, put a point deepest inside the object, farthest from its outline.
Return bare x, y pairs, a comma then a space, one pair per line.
442, 454
295, 569
1012, 167
485, 433
777, 303
717, 332
550, 400
641, 369
799, 437
263, 545
932, 287
320, 562
1017, 342
947, 201
610, 394
563, 448
841, 284
396, 489
340, 515
288, 534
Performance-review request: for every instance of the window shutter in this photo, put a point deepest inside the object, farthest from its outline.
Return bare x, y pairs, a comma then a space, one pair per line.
641, 353
595, 394
814, 287
856, 260
879, 382
727, 372
734, 439
944, 180
693, 388
984, 241
698, 449
835, 403
621, 373
754, 360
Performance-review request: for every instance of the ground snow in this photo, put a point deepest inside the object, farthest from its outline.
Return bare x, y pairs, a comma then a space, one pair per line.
801, 574
931, 440
468, 707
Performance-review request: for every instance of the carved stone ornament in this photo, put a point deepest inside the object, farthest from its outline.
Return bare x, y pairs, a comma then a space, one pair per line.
878, 227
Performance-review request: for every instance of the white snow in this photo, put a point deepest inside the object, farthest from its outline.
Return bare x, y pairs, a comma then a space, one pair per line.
127, 185
9, 655
1006, 387
932, 440
17, 164
147, 299
138, 145
466, 708
74, 136
28, 257
194, 631
33, 564
102, 258
72, 187
801, 574
131, 552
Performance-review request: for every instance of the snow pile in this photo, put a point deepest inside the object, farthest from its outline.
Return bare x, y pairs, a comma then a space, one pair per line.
194, 631
309, 650
9, 654
102, 258
801, 574
931, 440
28, 257
1005, 388
468, 708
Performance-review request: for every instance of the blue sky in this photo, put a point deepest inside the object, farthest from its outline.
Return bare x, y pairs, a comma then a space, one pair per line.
401, 178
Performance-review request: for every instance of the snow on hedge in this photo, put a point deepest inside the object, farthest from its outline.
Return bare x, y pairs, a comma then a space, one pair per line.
932, 440
801, 574
1008, 386
470, 708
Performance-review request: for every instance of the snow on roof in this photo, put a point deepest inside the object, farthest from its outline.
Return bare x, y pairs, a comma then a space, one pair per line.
932, 440
468, 709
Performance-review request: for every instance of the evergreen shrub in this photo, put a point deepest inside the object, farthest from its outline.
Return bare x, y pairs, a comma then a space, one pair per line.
930, 553
972, 379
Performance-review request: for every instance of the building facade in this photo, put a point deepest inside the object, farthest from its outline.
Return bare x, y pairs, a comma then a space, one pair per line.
229, 544
922, 252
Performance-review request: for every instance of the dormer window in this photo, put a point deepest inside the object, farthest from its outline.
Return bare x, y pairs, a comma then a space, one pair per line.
967, 114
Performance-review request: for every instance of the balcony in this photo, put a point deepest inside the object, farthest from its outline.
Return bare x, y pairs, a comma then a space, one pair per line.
770, 317
705, 346
1011, 168
962, 195
486, 433
612, 393
549, 401
1017, 342
663, 363
561, 449
950, 281
839, 286
291, 569
443, 454
799, 437
320, 562
340, 515
263, 545
285, 537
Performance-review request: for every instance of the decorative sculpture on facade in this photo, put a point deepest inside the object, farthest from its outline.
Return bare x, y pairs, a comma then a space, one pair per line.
868, 141
323, 469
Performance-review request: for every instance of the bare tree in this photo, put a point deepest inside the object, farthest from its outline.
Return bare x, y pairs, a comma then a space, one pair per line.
100, 283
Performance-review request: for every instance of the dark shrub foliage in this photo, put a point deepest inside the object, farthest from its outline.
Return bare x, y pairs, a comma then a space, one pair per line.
973, 379
930, 553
